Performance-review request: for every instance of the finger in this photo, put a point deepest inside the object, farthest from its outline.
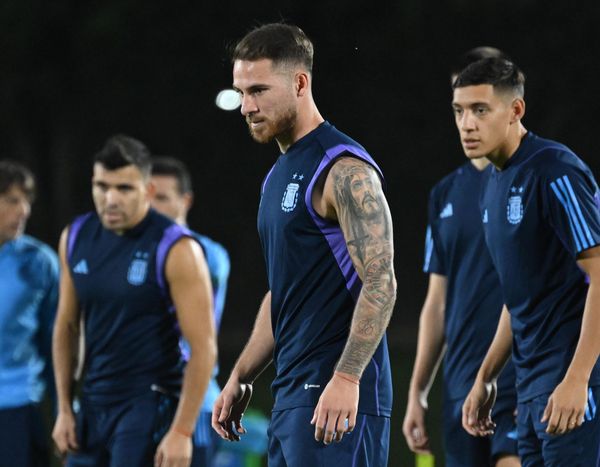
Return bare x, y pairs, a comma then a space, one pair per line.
319, 425
231, 433
72, 439
341, 428
547, 411
571, 423
554, 421
330, 428
468, 418
579, 418
158, 458
313, 420
238, 425
466, 410
351, 421
225, 410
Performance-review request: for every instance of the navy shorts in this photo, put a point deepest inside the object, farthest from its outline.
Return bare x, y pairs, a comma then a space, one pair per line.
578, 448
464, 450
23, 438
292, 442
206, 441
125, 434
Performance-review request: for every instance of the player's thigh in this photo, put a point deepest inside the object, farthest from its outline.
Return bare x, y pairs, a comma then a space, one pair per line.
292, 442
504, 440
206, 441
140, 428
22, 438
462, 449
528, 444
578, 448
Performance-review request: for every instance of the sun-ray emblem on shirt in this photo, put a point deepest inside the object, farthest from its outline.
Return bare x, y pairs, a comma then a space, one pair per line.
514, 210
138, 269
290, 195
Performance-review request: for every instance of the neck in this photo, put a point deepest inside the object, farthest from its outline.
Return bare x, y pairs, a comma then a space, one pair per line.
501, 155
481, 163
308, 119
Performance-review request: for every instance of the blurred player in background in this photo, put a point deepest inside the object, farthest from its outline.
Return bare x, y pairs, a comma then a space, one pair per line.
28, 297
541, 219
326, 234
141, 283
459, 318
173, 196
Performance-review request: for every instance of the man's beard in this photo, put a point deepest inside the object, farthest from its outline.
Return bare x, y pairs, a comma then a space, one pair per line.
284, 124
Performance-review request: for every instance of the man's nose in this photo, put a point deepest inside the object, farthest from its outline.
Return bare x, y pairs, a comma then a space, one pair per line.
248, 105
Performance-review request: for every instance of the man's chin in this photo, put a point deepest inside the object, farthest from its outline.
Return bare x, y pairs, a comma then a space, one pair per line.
261, 137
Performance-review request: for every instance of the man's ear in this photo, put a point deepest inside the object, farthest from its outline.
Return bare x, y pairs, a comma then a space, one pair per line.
302, 81
518, 110
188, 200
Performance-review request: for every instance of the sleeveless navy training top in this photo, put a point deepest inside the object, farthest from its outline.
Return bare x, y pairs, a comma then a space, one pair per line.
313, 282
131, 331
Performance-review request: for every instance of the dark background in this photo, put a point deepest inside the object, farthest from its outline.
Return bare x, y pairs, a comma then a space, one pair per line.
73, 73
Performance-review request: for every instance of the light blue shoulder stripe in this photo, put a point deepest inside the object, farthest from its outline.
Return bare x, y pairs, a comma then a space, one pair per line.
428, 248
565, 206
576, 204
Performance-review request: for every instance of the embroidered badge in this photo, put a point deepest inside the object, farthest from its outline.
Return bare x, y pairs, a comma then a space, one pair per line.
514, 210
138, 269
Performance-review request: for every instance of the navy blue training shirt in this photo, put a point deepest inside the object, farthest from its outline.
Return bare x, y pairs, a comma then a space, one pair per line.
313, 282
131, 331
455, 248
539, 212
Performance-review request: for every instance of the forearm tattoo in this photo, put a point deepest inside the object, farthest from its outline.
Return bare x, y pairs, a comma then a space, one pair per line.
365, 220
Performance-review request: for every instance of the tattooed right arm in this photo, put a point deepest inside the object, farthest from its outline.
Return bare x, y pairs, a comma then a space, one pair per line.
364, 217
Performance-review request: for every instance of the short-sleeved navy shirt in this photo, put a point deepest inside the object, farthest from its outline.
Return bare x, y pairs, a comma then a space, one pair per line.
313, 283
539, 212
455, 248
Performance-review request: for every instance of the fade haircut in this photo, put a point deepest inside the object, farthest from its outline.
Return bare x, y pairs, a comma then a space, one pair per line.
475, 55
502, 74
171, 167
120, 151
14, 174
283, 44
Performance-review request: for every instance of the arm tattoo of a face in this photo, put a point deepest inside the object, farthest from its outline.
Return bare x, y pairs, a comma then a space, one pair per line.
366, 223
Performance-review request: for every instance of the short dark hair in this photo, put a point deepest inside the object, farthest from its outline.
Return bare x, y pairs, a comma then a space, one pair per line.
279, 42
171, 167
14, 174
502, 74
474, 55
122, 150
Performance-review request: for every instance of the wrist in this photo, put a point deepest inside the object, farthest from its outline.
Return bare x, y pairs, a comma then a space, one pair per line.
347, 377
182, 431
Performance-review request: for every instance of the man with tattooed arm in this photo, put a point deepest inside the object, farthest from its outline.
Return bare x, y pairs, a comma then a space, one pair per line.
326, 232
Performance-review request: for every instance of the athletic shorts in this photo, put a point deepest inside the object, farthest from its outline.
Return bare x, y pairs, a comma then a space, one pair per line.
292, 442
465, 450
578, 448
23, 437
206, 441
124, 434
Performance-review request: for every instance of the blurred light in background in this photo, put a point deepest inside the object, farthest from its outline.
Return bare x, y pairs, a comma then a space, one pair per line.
228, 99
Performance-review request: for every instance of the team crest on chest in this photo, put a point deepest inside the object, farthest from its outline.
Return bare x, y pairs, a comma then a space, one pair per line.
138, 269
290, 195
514, 210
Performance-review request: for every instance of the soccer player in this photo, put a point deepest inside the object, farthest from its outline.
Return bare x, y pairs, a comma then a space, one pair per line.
139, 282
459, 318
326, 234
541, 219
173, 197
28, 296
